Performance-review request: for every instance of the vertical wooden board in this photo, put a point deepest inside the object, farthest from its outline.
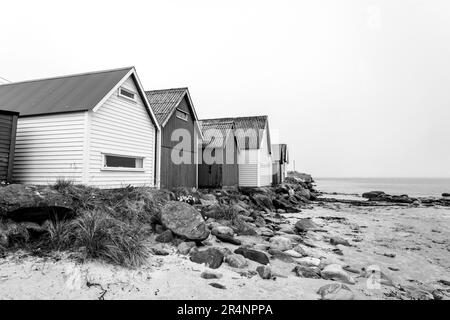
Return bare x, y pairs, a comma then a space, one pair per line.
12, 147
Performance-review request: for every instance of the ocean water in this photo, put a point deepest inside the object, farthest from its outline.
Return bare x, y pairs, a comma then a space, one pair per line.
415, 187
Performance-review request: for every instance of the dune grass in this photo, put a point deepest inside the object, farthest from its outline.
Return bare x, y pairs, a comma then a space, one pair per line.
109, 225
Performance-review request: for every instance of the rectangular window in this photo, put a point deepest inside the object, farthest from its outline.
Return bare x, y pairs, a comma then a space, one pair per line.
119, 162
127, 94
182, 115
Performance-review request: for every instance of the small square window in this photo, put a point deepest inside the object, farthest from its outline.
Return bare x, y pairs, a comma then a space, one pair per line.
182, 115
127, 94
123, 162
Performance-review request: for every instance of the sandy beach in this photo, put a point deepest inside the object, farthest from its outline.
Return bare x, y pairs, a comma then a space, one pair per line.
410, 246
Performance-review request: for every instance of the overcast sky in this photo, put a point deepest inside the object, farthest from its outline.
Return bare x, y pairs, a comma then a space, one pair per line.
355, 88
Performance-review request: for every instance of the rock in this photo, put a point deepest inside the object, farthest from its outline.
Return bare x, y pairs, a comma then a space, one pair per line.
245, 229
264, 272
263, 201
210, 275
222, 230
284, 205
211, 257
266, 232
246, 218
25, 203
446, 194
300, 250
236, 261
228, 239
184, 221
336, 291
338, 240
308, 261
293, 253
307, 272
280, 255
280, 243
372, 194
336, 272
260, 222
261, 246
218, 286
253, 255
287, 229
444, 282
165, 237
159, 229
293, 237
416, 293
208, 200
305, 224
185, 247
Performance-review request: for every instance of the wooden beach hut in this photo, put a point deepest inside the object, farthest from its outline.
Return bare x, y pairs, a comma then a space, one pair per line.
176, 114
93, 128
8, 127
219, 166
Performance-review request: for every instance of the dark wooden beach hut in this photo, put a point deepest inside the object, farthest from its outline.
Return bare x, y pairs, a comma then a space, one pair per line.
280, 158
8, 127
220, 144
174, 110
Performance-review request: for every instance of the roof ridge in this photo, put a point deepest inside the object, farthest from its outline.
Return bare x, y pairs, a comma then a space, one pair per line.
234, 118
66, 76
170, 89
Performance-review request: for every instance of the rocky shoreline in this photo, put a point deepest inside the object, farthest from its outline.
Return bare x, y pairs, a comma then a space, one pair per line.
292, 235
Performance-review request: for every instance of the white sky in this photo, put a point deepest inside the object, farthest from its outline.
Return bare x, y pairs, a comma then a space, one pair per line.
356, 88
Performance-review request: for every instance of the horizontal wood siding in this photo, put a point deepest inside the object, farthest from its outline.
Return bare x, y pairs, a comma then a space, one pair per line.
48, 148
121, 127
248, 168
8, 125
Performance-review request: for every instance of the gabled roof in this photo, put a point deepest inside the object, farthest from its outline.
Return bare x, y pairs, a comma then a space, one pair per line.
212, 128
280, 153
164, 102
79, 92
252, 128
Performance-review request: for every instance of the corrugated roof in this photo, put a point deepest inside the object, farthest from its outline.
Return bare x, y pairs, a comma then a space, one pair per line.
79, 92
215, 132
249, 131
164, 102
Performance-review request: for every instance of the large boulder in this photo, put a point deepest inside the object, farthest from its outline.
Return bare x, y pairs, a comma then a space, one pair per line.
211, 257
24, 203
184, 221
445, 194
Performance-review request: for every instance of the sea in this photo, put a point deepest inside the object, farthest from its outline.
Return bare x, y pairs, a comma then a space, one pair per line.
414, 187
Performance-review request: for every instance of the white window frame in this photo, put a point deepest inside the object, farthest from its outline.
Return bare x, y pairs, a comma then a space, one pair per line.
105, 168
134, 99
184, 112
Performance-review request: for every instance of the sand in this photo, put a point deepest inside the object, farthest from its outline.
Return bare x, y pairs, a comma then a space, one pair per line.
416, 242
